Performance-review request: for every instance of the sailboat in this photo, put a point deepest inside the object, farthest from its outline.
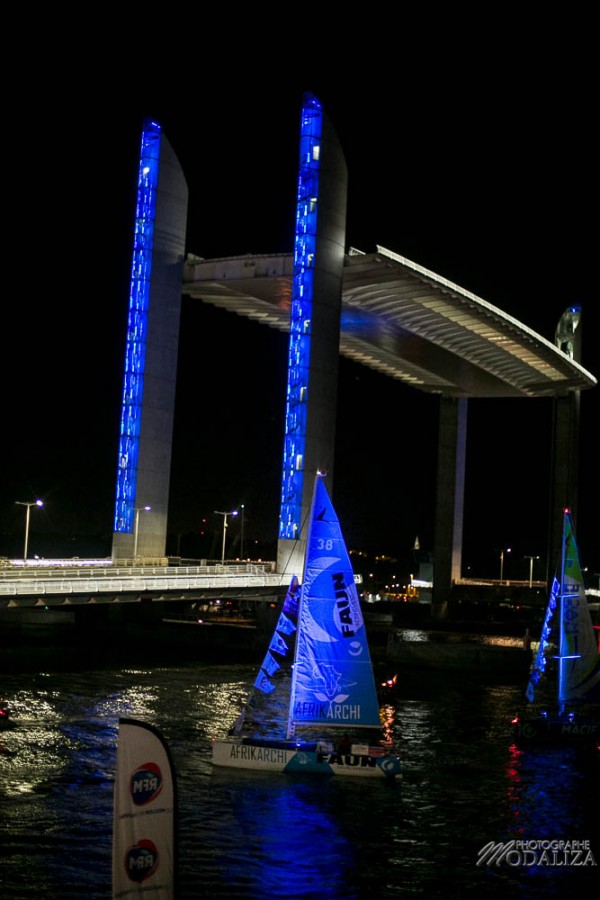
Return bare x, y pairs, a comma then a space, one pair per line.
567, 660
305, 720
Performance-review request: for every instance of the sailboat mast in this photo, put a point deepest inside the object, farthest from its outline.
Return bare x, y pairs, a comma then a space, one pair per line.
561, 613
291, 728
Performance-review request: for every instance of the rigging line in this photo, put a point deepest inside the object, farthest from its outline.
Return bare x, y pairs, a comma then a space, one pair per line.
296, 541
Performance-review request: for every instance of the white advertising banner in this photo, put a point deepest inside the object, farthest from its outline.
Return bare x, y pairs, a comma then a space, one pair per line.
144, 815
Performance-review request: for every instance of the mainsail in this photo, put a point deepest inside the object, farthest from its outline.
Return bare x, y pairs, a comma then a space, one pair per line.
573, 635
333, 683
144, 814
579, 661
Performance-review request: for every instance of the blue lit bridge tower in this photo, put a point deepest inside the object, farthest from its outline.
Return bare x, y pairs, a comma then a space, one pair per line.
148, 400
313, 355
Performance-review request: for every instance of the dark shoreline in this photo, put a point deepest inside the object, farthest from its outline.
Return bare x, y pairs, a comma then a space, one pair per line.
185, 644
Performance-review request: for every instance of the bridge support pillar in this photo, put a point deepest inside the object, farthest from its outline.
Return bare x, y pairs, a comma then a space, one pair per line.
447, 551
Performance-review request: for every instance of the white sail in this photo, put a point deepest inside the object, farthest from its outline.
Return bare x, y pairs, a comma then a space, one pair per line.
144, 815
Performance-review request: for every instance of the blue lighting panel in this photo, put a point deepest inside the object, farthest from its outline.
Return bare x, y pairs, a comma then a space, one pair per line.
311, 127
137, 327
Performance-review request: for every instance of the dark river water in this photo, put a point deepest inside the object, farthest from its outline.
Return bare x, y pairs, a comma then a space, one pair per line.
248, 836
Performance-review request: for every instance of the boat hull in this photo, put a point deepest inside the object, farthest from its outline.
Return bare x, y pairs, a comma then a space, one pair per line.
5, 720
293, 760
559, 730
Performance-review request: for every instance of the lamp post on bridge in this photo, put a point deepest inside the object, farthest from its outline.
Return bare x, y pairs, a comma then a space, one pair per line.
502, 552
28, 506
232, 512
531, 559
136, 528
242, 534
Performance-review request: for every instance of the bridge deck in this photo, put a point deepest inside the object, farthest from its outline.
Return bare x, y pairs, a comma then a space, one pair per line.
21, 588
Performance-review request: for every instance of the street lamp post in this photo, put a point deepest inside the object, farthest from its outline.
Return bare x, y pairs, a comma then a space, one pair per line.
242, 534
502, 552
28, 507
232, 512
531, 559
136, 528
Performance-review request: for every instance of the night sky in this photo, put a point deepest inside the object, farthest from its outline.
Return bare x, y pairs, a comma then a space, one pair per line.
479, 169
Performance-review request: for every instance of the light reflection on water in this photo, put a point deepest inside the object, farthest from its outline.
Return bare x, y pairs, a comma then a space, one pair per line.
417, 635
245, 835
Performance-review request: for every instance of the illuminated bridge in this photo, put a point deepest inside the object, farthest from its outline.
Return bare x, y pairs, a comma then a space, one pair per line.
405, 321
59, 586
380, 309
417, 327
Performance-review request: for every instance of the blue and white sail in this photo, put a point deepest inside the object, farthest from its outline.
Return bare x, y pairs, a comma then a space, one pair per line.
282, 643
273, 675
144, 821
333, 683
543, 654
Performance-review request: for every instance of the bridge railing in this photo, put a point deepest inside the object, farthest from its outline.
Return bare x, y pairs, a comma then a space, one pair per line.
128, 568
134, 582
